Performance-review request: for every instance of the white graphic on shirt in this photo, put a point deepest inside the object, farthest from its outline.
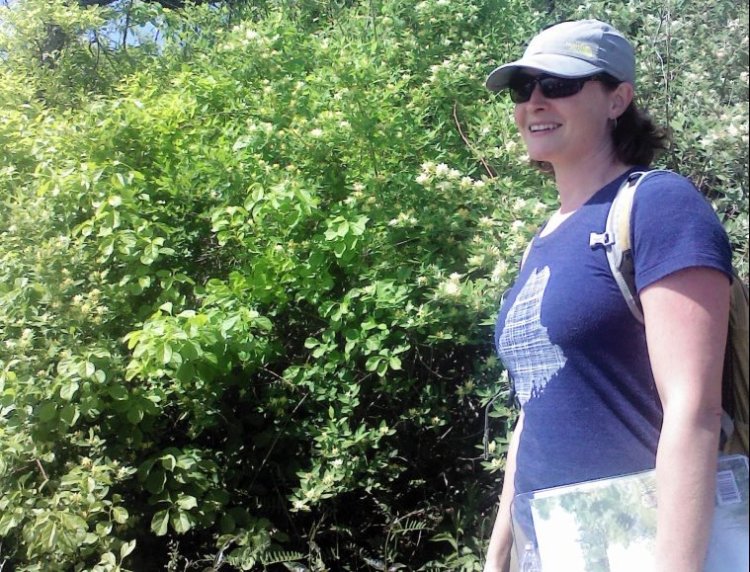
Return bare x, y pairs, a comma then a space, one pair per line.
528, 353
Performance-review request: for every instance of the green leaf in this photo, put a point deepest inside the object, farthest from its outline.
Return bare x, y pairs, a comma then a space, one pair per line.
165, 353
126, 549
181, 522
169, 462
68, 390
156, 481
117, 392
120, 515
47, 411
187, 502
135, 412
8, 521
70, 414
160, 522
373, 363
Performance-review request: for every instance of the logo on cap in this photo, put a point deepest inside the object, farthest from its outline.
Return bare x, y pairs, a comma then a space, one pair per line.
582, 48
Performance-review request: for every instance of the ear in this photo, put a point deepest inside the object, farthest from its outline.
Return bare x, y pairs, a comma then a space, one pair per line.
621, 98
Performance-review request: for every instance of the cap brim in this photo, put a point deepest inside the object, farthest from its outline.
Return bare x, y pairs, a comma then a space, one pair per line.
563, 66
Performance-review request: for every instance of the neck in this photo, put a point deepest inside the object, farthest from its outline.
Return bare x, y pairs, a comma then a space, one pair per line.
578, 183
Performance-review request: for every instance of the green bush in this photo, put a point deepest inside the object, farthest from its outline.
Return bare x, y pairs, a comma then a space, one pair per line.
248, 277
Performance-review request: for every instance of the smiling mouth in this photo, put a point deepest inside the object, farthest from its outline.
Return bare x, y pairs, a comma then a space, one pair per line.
543, 127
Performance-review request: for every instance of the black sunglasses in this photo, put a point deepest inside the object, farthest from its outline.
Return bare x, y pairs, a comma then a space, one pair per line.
521, 86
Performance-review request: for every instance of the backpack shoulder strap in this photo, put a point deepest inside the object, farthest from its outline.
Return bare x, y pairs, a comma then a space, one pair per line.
736, 377
616, 240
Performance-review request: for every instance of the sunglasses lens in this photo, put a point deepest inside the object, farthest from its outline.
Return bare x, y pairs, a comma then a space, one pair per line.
555, 87
522, 86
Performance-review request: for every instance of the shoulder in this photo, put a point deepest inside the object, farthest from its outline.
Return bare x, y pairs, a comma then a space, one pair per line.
660, 181
660, 190
674, 227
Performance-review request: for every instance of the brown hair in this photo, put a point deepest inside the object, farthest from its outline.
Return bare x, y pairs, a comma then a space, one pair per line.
637, 139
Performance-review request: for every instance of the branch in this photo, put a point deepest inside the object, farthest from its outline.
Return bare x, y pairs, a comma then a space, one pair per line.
490, 170
44, 474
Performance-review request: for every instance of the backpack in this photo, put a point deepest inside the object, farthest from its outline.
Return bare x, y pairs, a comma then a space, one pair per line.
735, 383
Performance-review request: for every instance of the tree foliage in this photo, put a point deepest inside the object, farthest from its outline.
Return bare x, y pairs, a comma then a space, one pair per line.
248, 272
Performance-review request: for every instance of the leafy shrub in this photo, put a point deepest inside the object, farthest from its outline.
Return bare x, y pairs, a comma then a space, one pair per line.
247, 286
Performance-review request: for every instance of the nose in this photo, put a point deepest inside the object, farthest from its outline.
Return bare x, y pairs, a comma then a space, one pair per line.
537, 97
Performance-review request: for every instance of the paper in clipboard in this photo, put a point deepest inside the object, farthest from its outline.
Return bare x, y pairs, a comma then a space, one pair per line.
609, 525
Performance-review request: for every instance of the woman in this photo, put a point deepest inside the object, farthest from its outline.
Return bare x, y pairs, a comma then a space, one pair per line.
602, 394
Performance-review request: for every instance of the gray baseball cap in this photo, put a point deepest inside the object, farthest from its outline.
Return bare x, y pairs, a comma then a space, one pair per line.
573, 49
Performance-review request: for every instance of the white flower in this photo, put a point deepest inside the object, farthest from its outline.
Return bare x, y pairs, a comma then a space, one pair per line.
428, 167
500, 271
422, 179
476, 260
299, 504
316, 133
442, 170
450, 288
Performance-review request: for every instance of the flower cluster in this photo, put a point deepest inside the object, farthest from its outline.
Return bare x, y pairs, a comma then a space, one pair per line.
469, 63
444, 178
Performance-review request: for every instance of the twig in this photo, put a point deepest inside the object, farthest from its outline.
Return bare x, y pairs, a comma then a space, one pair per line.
277, 376
44, 474
487, 168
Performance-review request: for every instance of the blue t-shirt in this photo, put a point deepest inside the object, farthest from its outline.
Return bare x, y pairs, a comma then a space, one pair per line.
575, 353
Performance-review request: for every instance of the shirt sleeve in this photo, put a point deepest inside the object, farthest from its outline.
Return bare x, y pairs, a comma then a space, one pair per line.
674, 227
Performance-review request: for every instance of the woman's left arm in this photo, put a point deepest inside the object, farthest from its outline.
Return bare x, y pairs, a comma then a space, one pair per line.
686, 316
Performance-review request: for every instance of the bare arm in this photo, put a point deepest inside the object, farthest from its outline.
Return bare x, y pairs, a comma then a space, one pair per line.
686, 317
501, 541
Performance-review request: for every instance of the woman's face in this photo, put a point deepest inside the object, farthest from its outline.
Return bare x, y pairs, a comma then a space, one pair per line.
567, 130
